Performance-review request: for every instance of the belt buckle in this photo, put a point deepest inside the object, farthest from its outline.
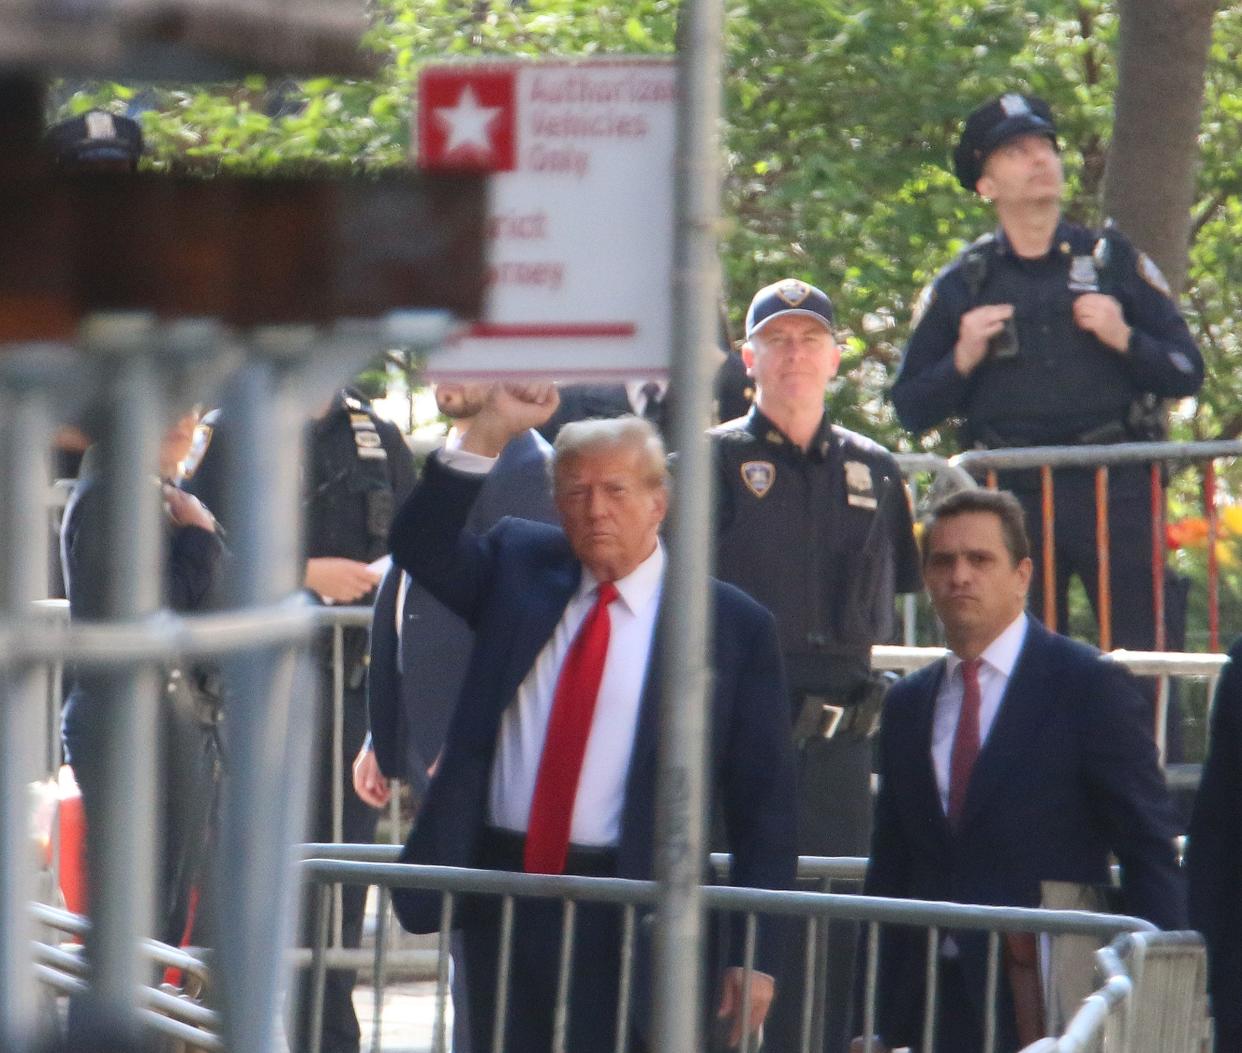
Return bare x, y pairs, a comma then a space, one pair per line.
830, 719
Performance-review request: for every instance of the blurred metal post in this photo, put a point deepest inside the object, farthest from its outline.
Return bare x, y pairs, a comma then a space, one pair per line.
121, 855
25, 442
686, 638
270, 724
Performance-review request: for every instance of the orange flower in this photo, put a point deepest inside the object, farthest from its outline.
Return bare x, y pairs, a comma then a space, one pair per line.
1187, 533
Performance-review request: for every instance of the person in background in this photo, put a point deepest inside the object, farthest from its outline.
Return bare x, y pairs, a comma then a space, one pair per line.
1214, 857
185, 738
358, 468
420, 648
1011, 772
813, 521
1046, 333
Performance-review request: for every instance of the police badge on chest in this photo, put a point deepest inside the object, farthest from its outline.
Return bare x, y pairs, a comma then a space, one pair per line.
1082, 275
859, 489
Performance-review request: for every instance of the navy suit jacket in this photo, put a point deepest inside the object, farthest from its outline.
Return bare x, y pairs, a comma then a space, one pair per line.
410, 704
1069, 772
511, 585
1214, 852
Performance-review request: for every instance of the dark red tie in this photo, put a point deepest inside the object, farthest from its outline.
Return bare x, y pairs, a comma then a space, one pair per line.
564, 746
965, 740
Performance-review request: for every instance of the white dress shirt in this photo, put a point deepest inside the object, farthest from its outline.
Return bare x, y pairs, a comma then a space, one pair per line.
519, 744
999, 658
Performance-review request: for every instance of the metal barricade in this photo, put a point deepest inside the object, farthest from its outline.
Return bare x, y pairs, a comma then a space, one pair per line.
1159, 457
1164, 982
62, 969
134, 361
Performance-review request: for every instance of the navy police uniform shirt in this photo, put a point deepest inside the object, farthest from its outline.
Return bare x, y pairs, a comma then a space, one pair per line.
1063, 385
358, 468
822, 538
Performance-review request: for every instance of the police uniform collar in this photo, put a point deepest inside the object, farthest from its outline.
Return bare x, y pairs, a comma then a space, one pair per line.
1063, 235
762, 427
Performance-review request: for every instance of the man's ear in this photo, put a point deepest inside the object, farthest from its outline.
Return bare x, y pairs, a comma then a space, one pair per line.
1026, 568
836, 356
983, 187
748, 358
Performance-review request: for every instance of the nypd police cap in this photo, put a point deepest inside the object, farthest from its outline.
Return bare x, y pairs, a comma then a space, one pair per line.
95, 137
995, 123
788, 296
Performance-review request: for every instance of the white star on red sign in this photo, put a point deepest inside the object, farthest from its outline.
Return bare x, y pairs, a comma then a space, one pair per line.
468, 123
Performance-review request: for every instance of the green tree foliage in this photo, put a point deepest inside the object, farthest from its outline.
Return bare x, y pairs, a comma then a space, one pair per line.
840, 116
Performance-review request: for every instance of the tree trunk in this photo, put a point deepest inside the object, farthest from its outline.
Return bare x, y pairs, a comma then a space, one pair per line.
1149, 182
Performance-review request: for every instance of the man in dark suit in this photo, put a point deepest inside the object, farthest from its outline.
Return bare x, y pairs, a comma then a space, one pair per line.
1009, 771
1214, 857
418, 657
417, 663
550, 761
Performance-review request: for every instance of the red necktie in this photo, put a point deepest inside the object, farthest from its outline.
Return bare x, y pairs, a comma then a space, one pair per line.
564, 746
965, 740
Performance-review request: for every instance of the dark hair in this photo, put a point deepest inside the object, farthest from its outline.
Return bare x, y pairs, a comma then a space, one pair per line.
999, 503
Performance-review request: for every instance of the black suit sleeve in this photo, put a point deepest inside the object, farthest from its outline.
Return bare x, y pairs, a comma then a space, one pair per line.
429, 539
1128, 794
758, 792
1214, 852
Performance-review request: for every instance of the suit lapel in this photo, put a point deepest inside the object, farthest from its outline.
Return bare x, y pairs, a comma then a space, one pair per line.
1016, 725
923, 769
646, 735
542, 610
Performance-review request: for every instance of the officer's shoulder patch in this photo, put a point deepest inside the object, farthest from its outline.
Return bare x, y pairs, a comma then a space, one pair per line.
1151, 274
758, 476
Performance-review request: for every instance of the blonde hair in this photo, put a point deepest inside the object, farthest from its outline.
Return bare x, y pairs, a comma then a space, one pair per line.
582, 437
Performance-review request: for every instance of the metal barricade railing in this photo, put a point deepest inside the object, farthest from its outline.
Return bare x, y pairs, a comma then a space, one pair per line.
1164, 665
1182, 974
63, 969
1151, 999
1159, 457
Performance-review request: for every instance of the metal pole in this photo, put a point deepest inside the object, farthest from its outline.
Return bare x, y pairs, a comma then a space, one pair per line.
265, 790
686, 638
121, 854
24, 444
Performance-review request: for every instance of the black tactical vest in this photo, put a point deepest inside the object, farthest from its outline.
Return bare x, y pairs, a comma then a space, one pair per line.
350, 501
1063, 382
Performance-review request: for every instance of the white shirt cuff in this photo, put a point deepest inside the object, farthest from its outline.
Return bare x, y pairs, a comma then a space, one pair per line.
453, 456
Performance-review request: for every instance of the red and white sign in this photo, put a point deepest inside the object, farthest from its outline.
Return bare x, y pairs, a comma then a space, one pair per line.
581, 216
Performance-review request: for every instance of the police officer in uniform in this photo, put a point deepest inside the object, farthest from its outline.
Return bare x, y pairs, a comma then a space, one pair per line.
1045, 333
358, 468
814, 522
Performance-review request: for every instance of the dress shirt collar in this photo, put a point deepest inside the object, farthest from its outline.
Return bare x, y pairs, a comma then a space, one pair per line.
637, 588
1002, 653
634, 392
